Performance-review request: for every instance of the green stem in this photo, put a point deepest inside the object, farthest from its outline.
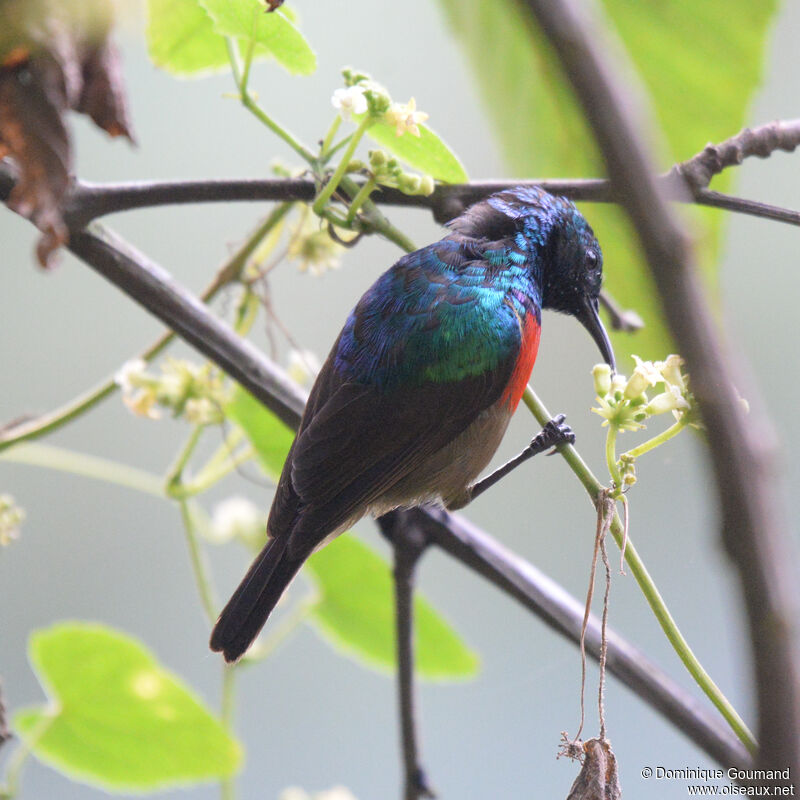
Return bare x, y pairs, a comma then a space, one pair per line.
341, 168
250, 104
248, 59
19, 757
363, 195
221, 455
648, 587
228, 706
199, 566
208, 477
377, 220
332, 131
101, 469
337, 147
173, 484
662, 437
230, 271
611, 456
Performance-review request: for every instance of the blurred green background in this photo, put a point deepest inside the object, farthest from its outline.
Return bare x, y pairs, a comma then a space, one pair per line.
308, 716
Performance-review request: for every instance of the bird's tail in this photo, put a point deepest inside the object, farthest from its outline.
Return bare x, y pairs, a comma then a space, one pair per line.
252, 603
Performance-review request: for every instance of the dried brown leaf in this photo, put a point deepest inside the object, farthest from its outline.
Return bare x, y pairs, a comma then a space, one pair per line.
5, 734
54, 56
32, 131
598, 778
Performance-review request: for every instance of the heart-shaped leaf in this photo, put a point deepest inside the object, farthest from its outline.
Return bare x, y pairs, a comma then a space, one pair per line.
116, 718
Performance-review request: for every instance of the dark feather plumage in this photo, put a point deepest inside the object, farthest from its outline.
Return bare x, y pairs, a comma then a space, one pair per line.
414, 398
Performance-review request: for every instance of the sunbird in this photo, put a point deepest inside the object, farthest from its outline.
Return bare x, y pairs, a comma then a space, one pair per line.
419, 387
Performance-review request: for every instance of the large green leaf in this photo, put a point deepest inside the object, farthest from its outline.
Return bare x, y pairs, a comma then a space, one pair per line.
701, 63
426, 152
273, 34
356, 612
187, 37
181, 38
270, 437
116, 718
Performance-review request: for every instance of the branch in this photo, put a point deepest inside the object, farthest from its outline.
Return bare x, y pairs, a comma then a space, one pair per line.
742, 450
153, 288
763, 141
89, 201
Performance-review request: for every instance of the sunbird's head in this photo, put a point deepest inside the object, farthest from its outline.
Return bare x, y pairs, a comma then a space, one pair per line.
565, 255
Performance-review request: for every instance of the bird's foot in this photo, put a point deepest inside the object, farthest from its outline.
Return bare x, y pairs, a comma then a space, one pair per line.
553, 434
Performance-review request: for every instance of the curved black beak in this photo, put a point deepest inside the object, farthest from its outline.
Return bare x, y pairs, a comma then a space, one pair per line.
589, 317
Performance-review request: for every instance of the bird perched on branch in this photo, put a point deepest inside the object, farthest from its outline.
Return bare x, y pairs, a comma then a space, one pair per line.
418, 390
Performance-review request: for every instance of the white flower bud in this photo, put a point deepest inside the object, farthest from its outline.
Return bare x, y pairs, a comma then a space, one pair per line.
636, 385
601, 374
671, 370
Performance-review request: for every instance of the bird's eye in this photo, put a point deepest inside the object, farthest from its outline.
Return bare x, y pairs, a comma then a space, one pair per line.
591, 259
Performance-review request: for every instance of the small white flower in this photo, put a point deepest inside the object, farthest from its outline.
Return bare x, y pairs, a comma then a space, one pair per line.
618, 383
405, 117
127, 374
670, 400
336, 793
237, 518
671, 370
648, 370
349, 101
202, 411
142, 403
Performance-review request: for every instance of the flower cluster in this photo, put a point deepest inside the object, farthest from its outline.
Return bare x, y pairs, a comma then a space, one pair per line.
188, 390
361, 94
312, 248
388, 172
624, 402
11, 517
405, 117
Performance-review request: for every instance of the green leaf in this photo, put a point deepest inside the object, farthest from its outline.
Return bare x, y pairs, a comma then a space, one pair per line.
270, 437
426, 152
356, 613
181, 38
273, 34
116, 718
701, 63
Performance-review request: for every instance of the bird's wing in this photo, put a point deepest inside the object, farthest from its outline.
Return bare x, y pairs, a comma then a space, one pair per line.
411, 370
362, 441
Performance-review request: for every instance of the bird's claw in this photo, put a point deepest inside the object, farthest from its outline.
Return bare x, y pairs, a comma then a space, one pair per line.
553, 434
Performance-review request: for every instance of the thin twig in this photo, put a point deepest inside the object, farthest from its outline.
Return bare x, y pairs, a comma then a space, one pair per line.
409, 543
149, 284
763, 141
753, 531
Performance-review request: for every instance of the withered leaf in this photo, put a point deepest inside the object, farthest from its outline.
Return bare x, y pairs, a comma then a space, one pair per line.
54, 56
5, 734
273, 4
598, 778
